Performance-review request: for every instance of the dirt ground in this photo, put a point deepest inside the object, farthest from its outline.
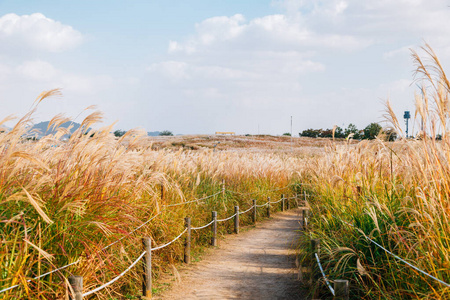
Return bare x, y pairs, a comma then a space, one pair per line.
256, 264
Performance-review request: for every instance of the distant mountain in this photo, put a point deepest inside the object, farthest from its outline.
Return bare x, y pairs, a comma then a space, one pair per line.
42, 128
153, 133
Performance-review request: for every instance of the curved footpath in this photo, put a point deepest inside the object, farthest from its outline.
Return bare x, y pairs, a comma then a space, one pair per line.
256, 264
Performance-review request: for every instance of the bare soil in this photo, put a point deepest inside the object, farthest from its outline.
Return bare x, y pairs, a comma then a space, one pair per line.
255, 264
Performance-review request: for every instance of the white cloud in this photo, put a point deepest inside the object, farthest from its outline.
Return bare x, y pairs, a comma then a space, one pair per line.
403, 51
37, 70
37, 32
42, 73
325, 62
331, 62
396, 86
272, 32
173, 70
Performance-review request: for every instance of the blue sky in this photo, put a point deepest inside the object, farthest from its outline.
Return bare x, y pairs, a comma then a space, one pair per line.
206, 66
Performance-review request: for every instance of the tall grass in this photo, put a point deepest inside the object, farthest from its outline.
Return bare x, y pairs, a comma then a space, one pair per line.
64, 201
396, 193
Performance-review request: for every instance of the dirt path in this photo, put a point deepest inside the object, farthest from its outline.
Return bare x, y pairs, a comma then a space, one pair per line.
256, 264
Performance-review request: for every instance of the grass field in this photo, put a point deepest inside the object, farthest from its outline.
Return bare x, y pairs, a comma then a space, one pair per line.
397, 194
64, 201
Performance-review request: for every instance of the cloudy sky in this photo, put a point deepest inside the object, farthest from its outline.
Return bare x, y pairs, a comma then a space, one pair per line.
204, 66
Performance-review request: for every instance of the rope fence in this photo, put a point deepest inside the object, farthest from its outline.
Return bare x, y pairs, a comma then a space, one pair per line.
192, 201
131, 232
341, 287
246, 211
268, 191
201, 227
323, 274
76, 282
42, 275
226, 219
397, 257
167, 244
115, 279
116, 241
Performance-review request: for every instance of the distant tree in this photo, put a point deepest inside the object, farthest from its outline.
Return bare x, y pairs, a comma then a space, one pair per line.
391, 135
327, 133
371, 131
339, 133
119, 133
287, 134
166, 133
352, 129
313, 133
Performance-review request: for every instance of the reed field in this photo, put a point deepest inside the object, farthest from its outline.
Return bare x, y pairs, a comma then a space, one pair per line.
65, 201
397, 194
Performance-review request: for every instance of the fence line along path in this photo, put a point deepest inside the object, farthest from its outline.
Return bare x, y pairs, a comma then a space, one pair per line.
254, 264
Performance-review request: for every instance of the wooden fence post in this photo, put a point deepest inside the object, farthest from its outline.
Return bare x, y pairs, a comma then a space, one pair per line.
304, 218
341, 289
268, 207
214, 229
282, 203
236, 220
187, 243
162, 191
76, 282
223, 188
254, 211
147, 282
315, 245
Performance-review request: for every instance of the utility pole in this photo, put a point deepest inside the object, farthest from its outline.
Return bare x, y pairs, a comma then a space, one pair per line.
291, 136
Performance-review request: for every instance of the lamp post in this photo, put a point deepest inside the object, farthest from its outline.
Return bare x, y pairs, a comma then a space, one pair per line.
292, 146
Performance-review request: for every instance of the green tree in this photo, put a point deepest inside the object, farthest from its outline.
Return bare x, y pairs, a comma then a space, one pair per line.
391, 135
313, 133
372, 130
119, 133
286, 134
339, 133
166, 133
352, 129
327, 133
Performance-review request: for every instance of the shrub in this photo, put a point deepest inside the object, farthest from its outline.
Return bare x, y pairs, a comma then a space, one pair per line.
166, 133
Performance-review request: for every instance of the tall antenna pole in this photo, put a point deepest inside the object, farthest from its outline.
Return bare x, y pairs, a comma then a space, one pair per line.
291, 132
